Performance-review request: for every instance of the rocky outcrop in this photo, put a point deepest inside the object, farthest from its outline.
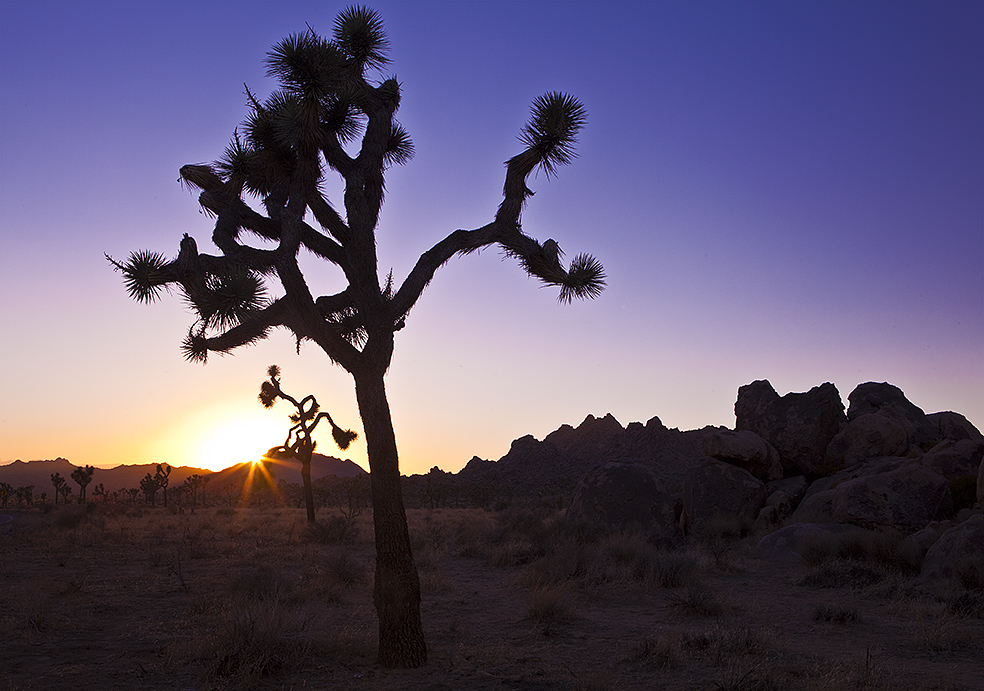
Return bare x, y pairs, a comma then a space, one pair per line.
623, 495
747, 450
593, 438
712, 489
799, 425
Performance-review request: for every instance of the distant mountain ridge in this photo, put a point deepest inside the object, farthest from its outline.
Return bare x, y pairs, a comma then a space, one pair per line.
38, 473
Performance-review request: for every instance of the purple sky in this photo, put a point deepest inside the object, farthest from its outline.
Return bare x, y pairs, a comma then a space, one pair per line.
789, 191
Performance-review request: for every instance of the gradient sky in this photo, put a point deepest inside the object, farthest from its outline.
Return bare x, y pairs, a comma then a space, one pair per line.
789, 191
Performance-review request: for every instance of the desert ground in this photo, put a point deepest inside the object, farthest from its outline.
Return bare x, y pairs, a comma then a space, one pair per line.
113, 597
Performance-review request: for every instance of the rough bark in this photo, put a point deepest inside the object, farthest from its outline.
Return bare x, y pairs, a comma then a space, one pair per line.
396, 592
305, 456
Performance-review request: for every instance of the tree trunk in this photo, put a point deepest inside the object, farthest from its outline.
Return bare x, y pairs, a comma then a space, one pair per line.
396, 593
306, 451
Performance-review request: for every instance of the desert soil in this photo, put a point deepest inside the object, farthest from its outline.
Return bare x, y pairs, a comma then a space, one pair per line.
225, 599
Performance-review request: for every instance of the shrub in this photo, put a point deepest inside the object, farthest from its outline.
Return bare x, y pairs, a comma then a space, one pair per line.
334, 530
551, 604
697, 600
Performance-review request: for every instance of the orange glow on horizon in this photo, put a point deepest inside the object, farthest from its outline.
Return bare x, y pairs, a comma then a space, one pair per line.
223, 435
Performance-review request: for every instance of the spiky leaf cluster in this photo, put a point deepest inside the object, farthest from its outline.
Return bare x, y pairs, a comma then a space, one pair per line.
143, 274
551, 133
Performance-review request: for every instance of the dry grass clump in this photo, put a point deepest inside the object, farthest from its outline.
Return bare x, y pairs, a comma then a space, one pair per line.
857, 559
622, 557
333, 530
256, 639
696, 600
835, 614
552, 604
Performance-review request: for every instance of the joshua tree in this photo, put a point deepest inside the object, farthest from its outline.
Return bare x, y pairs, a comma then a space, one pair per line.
5, 491
149, 486
299, 442
163, 471
82, 477
100, 491
58, 482
329, 103
194, 483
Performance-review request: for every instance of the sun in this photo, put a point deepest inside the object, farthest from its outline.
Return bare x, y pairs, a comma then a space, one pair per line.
238, 438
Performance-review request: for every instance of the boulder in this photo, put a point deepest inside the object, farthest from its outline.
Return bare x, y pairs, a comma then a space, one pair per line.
713, 488
955, 459
889, 401
950, 425
623, 495
957, 556
864, 437
794, 487
873, 466
747, 450
815, 508
798, 425
785, 544
906, 498
919, 542
980, 485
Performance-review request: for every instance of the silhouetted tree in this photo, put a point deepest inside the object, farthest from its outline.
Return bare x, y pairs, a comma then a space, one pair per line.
149, 486
134, 492
5, 492
162, 474
299, 442
65, 490
82, 477
25, 494
328, 99
100, 491
194, 484
58, 482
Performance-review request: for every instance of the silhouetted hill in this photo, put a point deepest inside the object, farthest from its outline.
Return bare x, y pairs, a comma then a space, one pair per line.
38, 473
286, 469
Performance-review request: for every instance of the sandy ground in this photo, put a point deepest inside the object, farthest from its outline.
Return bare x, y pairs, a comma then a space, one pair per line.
247, 600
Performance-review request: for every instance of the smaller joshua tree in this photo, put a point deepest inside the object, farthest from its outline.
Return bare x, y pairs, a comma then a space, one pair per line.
299, 442
82, 477
163, 471
57, 481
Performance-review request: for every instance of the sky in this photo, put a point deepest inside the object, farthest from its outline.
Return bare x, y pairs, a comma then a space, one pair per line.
781, 191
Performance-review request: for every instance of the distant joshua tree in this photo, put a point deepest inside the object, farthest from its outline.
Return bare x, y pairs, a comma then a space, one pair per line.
299, 442
194, 484
149, 485
58, 482
82, 477
162, 474
328, 105
5, 491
